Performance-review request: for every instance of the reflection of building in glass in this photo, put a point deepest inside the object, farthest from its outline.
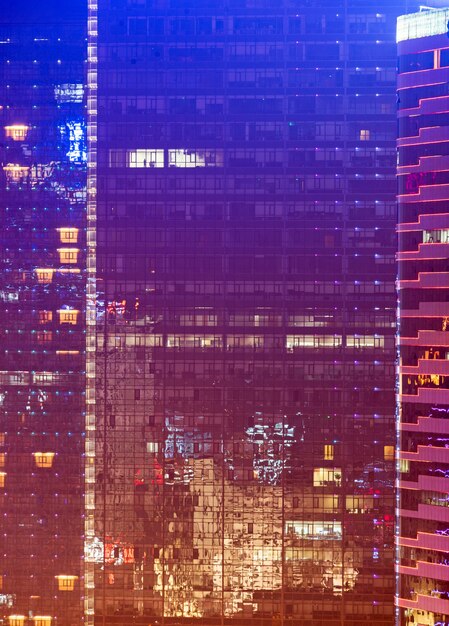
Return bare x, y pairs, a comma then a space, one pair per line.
244, 191
42, 205
423, 534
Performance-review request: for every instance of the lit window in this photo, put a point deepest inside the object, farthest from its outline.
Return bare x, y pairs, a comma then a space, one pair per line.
67, 270
144, 158
44, 275
328, 452
314, 529
424, 24
67, 352
42, 620
2, 479
16, 620
2, 459
436, 236
69, 92
45, 317
17, 132
313, 341
365, 341
68, 235
66, 582
15, 173
68, 255
44, 459
389, 453
44, 336
365, 135
195, 158
323, 476
359, 503
68, 316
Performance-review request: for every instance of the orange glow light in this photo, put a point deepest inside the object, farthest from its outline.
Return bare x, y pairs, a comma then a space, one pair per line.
44, 459
68, 255
68, 234
66, 582
44, 274
42, 620
68, 316
17, 132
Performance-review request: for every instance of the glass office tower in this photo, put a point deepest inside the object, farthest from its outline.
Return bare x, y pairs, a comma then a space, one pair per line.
42, 209
241, 422
423, 437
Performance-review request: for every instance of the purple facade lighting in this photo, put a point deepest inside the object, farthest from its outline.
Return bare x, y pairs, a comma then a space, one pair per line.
42, 304
245, 214
423, 395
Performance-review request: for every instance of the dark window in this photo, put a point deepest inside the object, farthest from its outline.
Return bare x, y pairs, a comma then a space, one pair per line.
416, 62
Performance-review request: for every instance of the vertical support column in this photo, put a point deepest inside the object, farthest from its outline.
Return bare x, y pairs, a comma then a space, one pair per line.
89, 583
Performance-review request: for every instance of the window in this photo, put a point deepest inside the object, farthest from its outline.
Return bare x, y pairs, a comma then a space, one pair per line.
68, 235
45, 317
314, 529
145, 158
68, 316
195, 158
365, 135
322, 476
16, 132
68, 255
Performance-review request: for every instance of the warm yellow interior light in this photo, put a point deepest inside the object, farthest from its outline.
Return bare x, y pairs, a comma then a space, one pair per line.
17, 132
71, 352
68, 234
42, 620
68, 316
66, 582
68, 255
44, 459
15, 172
44, 274
45, 317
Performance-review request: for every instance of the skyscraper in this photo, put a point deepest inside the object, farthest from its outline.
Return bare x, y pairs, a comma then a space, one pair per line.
423, 535
242, 216
42, 286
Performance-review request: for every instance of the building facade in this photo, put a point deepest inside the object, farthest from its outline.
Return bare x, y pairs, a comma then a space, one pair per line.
42, 286
423, 425
242, 215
